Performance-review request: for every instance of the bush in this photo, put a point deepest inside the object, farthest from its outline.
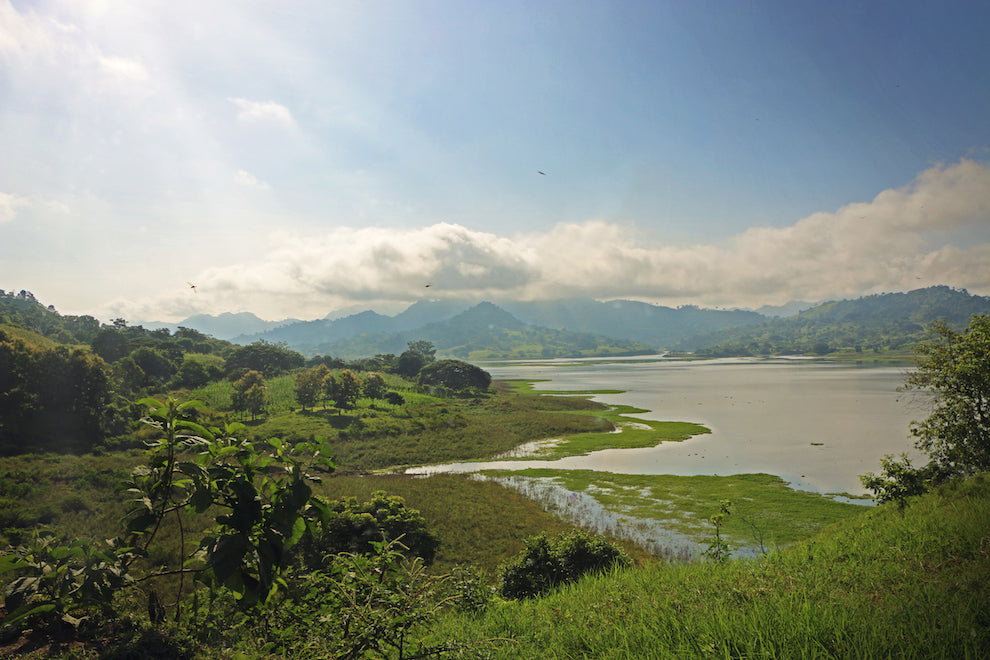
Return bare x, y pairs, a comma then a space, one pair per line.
546, 564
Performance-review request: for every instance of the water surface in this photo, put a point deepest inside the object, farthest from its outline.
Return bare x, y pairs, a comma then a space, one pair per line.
818, 425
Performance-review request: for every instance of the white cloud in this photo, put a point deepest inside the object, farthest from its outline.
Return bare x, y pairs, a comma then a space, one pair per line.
123, 69
248, 180
860, 248
262, 111
12, 205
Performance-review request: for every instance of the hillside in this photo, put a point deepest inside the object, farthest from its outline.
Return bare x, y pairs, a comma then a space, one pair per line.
482, 332
887, 583
872, 324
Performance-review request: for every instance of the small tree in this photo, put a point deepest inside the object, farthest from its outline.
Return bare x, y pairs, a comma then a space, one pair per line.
455, 375
309, 386
249, 393
374, 386
348, 389
954, 369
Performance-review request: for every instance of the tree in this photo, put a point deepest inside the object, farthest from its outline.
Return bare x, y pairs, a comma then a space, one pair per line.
270, 359
374, 386
309, 386
409, 363
348, 389
424, 348
249, 393
954, 370
455, 375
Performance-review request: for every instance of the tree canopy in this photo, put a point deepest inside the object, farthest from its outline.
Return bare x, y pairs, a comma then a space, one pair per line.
953, 369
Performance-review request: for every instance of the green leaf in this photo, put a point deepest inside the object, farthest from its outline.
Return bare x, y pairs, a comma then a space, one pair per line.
11, 562
227, 556
298, 529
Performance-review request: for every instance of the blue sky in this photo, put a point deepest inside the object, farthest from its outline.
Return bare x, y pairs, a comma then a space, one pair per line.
296, 158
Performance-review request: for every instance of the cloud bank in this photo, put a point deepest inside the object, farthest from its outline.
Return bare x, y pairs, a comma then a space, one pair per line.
935, 230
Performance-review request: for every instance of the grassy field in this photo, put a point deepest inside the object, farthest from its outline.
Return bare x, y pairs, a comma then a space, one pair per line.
883, 584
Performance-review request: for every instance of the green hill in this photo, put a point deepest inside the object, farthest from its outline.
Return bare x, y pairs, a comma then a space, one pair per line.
878, 324
484, 331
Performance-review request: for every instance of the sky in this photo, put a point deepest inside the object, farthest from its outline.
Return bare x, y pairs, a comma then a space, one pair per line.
298, 159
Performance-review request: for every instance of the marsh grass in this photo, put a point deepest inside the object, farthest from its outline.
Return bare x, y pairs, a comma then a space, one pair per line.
882, 584
618, 430
669, 514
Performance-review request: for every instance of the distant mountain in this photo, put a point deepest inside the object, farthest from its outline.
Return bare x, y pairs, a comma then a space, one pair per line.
324, 331
792, 308
886, 321
484, 331
222, 326
655, 325
626, 320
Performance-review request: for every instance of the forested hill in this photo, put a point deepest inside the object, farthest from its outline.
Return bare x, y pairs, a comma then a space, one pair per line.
876, 323
567, 321
484, 331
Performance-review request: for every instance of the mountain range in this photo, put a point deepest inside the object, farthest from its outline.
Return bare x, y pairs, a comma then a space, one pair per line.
583, 326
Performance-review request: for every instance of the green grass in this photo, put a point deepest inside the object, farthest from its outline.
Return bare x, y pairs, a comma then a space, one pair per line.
634, 433
886, 583
766, 513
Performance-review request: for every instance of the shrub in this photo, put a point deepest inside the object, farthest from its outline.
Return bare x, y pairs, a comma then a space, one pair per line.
546, 564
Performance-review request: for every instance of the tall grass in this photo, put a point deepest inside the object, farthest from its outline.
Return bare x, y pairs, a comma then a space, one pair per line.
911, 584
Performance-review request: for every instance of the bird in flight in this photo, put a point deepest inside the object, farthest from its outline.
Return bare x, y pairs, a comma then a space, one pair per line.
428, 286
192, 286
539, 172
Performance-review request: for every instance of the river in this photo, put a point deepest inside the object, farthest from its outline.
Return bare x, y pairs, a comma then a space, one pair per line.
817, 424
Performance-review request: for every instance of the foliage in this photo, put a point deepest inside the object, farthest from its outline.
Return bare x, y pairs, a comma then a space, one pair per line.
546, 564
249, 393
954, 370
347, 389
309, 386
344, 525
377, 604
53, 399
877, 324
24, 310
58, 579
718, 548
270, 359
374, 386
261, 513
455, 375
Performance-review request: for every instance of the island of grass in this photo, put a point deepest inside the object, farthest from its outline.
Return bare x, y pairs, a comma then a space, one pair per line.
617, 430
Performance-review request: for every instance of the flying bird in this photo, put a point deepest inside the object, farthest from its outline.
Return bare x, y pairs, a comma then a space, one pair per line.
192, 286
539, 172
428, 286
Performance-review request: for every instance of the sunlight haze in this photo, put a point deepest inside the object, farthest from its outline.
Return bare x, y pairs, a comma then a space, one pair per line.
296, 158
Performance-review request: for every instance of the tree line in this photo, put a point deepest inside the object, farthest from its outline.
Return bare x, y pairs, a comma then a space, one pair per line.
72, 398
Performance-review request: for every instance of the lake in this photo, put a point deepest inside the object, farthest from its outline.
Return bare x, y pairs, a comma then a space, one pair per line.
817, 424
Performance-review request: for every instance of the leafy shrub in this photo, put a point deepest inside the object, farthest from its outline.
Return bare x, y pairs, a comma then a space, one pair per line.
546, 564
344, 525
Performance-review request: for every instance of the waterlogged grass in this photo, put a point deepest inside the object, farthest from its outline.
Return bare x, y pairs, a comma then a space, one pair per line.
766, 513
883, 584
480, 523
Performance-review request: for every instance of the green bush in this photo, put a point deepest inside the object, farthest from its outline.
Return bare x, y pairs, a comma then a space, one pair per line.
546, 564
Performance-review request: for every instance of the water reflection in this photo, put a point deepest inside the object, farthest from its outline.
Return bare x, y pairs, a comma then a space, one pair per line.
817, 425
